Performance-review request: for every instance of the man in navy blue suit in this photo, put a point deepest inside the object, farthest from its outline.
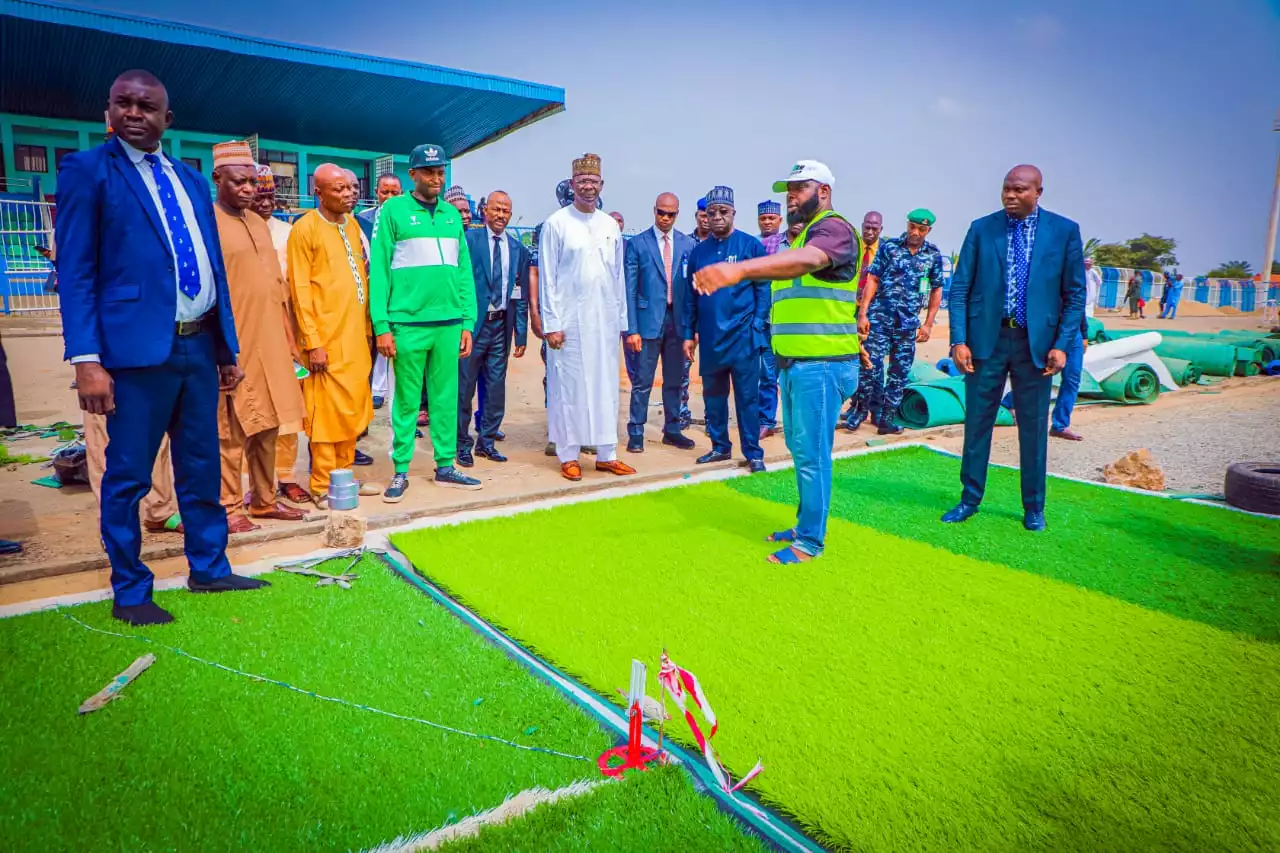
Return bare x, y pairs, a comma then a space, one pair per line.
1017, 302
657, 262
500, 267
147, 322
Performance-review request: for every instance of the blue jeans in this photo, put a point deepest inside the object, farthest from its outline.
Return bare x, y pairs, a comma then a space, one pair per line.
768, 389
1070, 386
812, 394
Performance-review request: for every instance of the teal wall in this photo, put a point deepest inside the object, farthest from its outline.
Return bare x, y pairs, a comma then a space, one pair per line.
81, 135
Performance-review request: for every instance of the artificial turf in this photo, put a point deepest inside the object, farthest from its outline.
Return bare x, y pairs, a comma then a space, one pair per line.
1113, 683
195, 758
656, 811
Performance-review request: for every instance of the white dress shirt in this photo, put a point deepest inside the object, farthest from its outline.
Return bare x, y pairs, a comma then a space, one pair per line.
204, 300
505, 250
669, 236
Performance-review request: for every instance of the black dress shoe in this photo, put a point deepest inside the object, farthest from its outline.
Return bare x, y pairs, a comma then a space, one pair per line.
230, 583
501, 436
490, 453
756, 466
362, 458
677, 440
148, 613
635, 444
465, 459
713, 456
890, 428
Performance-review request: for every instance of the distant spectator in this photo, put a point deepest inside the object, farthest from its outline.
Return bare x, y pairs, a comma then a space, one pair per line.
1134, 295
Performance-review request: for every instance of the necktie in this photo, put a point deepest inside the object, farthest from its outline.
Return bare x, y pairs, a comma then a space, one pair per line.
666, 262
183, 249
1021, 272
495, 275
866, 262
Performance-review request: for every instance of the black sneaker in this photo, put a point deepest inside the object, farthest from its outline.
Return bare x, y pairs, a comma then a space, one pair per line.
452, 478
465, 459
394, 492
362, 458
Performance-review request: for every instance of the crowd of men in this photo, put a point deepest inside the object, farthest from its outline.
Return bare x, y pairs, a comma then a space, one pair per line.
215, 324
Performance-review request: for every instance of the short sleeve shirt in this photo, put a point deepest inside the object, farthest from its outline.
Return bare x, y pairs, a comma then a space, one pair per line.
839, 242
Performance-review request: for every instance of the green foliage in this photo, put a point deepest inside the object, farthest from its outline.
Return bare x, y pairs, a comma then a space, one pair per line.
1147, 252
1232, 269
1091, 246
923, 686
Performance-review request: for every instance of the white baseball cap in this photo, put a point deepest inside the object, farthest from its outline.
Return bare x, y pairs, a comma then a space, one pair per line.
806, 170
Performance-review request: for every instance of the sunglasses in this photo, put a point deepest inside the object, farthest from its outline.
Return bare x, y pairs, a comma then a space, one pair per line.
670, 214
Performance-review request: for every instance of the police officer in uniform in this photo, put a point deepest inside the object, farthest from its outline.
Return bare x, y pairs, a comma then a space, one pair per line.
889, 313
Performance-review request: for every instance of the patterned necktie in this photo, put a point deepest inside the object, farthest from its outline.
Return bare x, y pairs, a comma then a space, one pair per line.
1021, 272
866, 262
495, 275
666, 262
183, 248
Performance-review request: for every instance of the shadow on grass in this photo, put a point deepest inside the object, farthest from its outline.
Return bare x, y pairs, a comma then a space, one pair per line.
1194, 562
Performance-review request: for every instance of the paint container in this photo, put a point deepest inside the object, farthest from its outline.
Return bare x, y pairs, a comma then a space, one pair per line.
344, 491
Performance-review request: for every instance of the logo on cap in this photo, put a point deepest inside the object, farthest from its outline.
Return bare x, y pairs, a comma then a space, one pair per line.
431, 153
798, 167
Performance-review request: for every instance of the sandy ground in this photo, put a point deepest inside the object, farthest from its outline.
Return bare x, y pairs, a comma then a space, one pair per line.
1193, 434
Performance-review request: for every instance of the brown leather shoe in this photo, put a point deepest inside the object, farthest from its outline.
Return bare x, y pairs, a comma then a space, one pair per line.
293, 493
617, 466
240, 524
280, 512
162, 528
571, 471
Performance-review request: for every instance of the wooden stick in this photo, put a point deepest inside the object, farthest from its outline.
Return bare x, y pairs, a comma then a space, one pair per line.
112, 690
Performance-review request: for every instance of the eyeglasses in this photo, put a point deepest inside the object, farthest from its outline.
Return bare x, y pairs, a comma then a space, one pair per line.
669, 214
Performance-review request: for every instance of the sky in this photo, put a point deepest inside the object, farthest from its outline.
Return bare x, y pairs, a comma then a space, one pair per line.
1145, 115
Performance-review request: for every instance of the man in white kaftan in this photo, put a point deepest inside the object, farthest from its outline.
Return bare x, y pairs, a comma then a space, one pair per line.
584, 312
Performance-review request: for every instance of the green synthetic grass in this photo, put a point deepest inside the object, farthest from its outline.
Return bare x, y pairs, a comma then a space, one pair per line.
193, 758
972, 693
1219, 568
656, 811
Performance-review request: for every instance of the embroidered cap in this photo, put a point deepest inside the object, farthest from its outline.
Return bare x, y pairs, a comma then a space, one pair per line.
768, 208
233, 153
720, 195
587, 164
427, 155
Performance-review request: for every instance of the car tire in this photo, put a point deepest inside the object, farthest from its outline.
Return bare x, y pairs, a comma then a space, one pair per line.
1254, 486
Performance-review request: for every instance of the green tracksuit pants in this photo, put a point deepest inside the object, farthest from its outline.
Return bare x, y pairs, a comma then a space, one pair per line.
433, 351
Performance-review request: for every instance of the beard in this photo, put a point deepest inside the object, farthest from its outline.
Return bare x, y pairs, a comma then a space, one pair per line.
805, 212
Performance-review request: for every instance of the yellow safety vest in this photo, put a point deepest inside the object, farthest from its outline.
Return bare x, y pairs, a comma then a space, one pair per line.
812, 318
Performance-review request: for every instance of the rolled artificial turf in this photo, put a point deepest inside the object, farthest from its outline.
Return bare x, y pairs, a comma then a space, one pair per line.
191, 757
1133, 383
937, 403
1184, 372
1110, 683
1213, 359
1097, 332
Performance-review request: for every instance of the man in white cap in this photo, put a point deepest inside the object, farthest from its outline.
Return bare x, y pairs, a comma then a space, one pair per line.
815, 339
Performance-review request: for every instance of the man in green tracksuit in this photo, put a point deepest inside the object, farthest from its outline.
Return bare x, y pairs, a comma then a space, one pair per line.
422, 303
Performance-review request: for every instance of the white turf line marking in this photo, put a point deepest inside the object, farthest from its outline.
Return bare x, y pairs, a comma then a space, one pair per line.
379, 538
515, 806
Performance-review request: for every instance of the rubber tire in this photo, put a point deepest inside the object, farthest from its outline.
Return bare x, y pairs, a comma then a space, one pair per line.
1254, 486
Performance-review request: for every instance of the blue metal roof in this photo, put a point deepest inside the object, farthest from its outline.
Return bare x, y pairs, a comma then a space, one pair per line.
60, 60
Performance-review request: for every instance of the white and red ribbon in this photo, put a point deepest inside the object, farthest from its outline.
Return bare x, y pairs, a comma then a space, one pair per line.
681, 685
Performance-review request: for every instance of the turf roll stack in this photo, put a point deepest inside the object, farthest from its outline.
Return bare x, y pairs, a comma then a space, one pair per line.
1134, 384
939, 403
1184, 372
1213, 359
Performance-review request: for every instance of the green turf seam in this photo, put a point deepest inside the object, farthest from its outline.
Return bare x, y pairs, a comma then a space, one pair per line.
941, 451
766, 823
344, 702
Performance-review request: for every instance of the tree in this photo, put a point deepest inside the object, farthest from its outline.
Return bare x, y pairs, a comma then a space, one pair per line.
1112, 255
1147, 252
1153, 253
1275, 267
1091, 246
1233, 269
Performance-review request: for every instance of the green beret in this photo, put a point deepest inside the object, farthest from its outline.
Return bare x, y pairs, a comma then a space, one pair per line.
922, 216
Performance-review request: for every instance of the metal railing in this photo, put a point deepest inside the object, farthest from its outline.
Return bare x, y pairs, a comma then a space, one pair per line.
24, 272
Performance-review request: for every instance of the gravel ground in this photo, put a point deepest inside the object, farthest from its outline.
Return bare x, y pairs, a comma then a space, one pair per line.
1192, 436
